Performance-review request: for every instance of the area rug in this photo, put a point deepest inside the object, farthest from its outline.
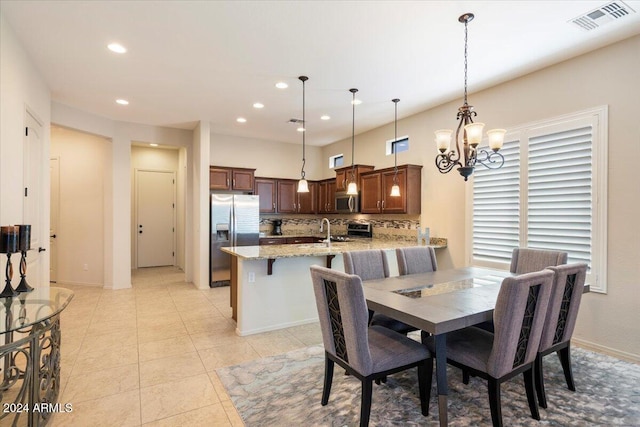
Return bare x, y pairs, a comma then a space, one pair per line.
285, 390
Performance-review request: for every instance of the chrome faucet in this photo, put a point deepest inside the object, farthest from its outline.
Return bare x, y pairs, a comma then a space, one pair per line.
328, 241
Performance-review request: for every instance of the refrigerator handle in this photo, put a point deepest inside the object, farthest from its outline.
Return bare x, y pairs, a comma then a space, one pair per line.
232, 224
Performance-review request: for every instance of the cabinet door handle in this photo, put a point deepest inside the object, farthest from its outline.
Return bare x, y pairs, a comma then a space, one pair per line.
383, 205
227, 182
234, 182
274, 206
378, 205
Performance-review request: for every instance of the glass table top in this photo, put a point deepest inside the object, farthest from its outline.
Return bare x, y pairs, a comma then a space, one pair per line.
29, 308
443, 288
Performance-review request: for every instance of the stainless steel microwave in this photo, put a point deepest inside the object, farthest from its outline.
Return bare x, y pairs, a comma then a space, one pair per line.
346, 203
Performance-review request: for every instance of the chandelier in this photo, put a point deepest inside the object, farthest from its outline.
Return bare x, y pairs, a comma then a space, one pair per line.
471, 134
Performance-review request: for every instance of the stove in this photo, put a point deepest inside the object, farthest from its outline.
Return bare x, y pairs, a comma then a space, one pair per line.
355, 230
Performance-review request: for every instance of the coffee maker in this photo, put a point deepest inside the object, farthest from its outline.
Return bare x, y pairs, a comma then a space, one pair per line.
277, 227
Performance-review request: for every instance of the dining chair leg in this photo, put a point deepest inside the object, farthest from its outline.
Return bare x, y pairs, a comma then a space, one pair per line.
425, 375
365, 407
531, 393
465, 376
539, 376
565, 360
328, 379
494, 402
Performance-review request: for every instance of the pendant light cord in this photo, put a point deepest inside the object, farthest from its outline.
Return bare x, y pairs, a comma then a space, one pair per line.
353, 134
395, 141
466, 22
304, 124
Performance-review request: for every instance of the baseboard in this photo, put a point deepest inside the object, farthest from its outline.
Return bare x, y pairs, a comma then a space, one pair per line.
275, 327
629, 357
69, 282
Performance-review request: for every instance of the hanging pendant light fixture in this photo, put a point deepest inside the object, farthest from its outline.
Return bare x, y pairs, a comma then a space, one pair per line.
303, 186
352, 187
395, 188
471, 135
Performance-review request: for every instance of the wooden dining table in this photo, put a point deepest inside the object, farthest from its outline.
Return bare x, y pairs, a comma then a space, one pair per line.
438, 302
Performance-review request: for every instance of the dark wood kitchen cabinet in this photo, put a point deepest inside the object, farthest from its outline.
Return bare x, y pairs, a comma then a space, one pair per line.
266, 189
281, 196
327, 196
227, 179
375, 189
343, 175
290, 201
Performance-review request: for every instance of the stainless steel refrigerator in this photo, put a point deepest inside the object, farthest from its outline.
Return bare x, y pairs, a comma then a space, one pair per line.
235, 220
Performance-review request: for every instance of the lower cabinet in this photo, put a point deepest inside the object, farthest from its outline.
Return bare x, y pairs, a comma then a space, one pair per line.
289, 240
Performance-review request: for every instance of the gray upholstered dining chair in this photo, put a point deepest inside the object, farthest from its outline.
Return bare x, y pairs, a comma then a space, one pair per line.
568, 287
416, 259
370, 265
366, 352
519, 318
525, 260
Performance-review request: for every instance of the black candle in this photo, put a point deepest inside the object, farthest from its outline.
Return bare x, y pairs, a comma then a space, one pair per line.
9, 239
24, 237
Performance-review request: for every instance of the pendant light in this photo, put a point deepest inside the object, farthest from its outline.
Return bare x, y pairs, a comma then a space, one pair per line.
303, 186
352, 187
395, 188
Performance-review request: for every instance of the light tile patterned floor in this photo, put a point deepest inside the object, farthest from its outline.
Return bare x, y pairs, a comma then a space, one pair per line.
147, 355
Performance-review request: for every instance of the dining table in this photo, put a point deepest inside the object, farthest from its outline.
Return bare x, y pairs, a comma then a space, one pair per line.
438, 302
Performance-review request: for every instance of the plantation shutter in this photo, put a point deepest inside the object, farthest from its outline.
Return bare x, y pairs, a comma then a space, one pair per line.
496, 207
559, 195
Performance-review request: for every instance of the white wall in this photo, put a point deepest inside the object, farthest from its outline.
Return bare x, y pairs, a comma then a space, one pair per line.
83, 159
269, 158
23, 89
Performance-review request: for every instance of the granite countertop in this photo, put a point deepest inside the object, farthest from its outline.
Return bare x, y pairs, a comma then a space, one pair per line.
317, 249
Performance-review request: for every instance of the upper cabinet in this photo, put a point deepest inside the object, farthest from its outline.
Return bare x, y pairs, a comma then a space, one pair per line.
327, 196
343, 175
281, 196
227, 179
375, 189
266, 189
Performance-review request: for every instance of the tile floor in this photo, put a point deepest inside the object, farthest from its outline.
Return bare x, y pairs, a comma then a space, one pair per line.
148, 355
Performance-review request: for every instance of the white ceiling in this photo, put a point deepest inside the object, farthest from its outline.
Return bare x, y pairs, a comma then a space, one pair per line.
211, 60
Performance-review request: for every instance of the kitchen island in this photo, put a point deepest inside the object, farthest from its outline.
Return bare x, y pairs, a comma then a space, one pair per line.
271, 285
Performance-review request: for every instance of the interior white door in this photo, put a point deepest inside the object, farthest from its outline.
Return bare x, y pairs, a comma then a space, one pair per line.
155, 228
54, 173
33, 205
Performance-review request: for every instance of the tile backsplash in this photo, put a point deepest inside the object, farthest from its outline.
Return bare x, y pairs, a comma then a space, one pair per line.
396, 227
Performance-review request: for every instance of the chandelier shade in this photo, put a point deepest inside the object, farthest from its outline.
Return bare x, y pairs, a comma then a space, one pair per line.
468, 135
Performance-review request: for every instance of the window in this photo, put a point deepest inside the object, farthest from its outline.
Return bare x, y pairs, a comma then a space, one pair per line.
550, 194
336, 161
397, 145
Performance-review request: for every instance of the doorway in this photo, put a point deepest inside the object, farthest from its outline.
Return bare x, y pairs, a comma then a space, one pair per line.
155, 224
54, 173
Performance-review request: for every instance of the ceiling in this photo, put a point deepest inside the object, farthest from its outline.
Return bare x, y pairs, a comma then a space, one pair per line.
211, 60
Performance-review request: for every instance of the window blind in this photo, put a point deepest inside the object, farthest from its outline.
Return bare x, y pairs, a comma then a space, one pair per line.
496, 207
559, 206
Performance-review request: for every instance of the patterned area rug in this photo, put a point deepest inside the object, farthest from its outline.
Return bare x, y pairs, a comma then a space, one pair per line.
285, 390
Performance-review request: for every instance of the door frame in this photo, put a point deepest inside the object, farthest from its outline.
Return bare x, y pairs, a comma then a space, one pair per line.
134, 228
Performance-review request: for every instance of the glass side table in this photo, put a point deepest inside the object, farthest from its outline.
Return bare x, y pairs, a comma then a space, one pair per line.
30, 355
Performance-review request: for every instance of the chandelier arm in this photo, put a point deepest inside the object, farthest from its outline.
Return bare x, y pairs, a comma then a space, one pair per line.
445, 162
490, 159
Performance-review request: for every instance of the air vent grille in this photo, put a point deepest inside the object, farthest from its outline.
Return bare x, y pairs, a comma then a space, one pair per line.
295, 121
602, 15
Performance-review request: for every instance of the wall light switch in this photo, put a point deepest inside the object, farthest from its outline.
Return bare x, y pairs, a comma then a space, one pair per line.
252, 277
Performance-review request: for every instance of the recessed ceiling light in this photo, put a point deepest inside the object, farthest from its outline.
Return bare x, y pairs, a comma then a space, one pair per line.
258, 105
122, 101
300, 129
325, 117
282, 85
153, 145
117, 48
241, 120
356, 102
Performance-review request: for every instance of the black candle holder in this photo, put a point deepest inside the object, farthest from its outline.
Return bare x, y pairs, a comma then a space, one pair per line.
23, 286
8, 272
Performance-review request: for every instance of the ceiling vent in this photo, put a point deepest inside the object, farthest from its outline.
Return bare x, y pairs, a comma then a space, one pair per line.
602, 15
294, 121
